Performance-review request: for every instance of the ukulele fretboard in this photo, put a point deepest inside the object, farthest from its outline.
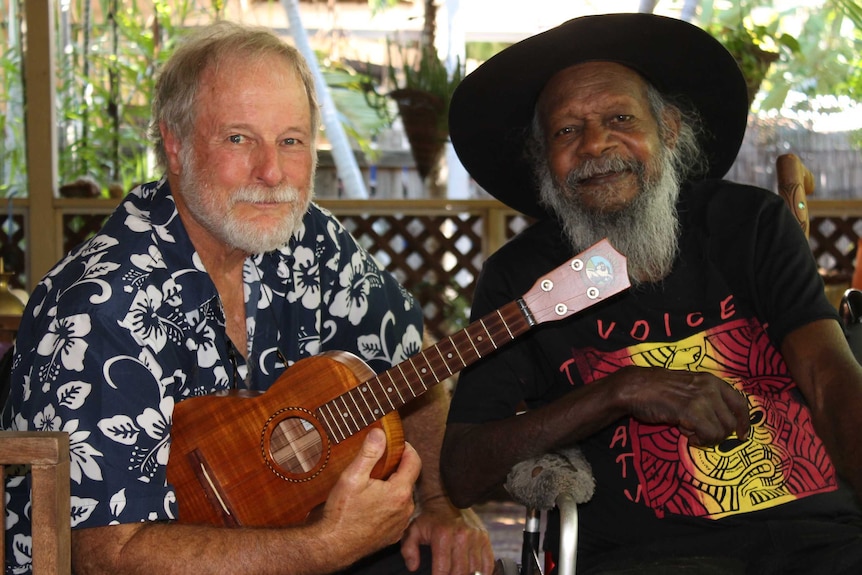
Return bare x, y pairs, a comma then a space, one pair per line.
358, 408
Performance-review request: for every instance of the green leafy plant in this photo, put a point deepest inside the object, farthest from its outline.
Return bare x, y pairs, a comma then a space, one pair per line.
362, 116
427, 73
817, 46
423, 88
755, 48
107, 56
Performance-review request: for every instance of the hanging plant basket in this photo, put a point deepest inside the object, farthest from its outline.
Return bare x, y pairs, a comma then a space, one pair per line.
755, 63
423, 115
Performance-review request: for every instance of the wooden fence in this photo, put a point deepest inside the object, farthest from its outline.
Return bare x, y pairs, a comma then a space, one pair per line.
436, 247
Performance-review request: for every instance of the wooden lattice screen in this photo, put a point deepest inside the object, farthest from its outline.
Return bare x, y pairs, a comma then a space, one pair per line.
834, 241
13, 250
437, 256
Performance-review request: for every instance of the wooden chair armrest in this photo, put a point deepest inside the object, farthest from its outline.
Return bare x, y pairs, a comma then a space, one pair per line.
47, 453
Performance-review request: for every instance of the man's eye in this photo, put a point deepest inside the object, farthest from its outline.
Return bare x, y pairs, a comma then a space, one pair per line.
235, 139
290, 141
621, 118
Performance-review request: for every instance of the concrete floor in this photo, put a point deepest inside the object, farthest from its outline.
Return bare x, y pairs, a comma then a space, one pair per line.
505, 523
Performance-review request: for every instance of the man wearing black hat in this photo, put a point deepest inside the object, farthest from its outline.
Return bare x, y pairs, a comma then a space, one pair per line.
717, 399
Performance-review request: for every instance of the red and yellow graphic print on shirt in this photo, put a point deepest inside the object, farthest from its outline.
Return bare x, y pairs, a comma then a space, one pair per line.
782, 459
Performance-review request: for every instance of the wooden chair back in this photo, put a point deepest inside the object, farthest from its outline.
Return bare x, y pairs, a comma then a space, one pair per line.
795, 184
47, 454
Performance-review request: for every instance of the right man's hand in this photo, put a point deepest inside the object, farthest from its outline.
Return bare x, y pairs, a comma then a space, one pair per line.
373, 513
705, 408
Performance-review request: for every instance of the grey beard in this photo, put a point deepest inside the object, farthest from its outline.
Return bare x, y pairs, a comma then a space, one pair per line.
646, 231
227, 227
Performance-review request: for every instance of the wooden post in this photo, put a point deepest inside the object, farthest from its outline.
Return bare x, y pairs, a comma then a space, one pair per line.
44, 245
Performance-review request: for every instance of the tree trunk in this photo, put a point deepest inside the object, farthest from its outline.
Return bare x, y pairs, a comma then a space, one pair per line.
647, 6
689, 9
429, 25
342, 153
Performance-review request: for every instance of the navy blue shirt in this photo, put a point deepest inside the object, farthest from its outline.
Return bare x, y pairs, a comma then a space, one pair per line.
130, 323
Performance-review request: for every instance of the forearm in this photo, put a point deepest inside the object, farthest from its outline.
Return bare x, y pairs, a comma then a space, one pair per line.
170, 548
830, 378
477, 458
361, 515
835, 413
424, 422
838, 426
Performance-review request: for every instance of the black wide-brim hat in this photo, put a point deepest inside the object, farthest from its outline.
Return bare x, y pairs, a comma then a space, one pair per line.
492, 108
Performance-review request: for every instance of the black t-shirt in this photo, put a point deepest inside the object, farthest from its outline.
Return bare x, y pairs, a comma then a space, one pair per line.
744, 278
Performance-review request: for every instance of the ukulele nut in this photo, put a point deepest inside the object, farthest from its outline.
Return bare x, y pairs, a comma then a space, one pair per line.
561, 309
547, 285
592, 292
577, 264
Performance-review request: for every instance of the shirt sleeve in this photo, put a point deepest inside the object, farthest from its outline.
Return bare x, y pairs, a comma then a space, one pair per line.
81, 378
766, 256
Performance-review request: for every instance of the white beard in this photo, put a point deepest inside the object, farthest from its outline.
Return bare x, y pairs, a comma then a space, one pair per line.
225, 225
646, 231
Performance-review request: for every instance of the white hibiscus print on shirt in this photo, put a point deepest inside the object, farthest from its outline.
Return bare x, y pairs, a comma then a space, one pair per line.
143, 318
306, 288
356, 281
64, 343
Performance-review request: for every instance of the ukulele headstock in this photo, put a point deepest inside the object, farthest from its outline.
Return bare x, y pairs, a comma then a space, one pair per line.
586, 279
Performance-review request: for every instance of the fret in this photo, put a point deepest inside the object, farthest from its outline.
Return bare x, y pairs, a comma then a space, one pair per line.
413, 365
352, 395
402, 384
409, 381
386, 392
504, 323
446, 365
463, 363
424, 356
395, 385
334, 418
470, 339
380, 406
490, 337
321, 416
410, 387
346, 417
363, 391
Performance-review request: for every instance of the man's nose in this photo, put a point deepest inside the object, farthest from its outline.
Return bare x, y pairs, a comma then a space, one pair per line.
595, 140
268, 168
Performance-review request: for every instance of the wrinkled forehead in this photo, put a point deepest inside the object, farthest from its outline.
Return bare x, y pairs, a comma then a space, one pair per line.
593, 83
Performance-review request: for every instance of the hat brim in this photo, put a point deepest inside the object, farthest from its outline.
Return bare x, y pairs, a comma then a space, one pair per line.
493, 106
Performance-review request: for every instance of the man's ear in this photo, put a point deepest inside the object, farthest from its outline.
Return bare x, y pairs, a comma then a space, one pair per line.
673, 120
172, 146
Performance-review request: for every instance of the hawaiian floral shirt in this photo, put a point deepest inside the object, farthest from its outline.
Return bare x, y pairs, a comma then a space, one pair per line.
129, 323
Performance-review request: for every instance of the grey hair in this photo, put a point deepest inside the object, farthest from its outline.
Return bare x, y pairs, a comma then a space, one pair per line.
687, 155
179, 81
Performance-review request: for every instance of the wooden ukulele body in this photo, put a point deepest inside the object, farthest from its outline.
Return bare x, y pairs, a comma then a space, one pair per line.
264, 459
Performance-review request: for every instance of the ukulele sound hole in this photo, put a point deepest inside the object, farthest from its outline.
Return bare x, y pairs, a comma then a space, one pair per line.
295, 445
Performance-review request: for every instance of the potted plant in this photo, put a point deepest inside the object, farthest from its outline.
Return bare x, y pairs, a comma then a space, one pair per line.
422, 90
755, 48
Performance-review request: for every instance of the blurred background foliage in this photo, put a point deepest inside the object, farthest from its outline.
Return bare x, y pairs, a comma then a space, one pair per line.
108, 52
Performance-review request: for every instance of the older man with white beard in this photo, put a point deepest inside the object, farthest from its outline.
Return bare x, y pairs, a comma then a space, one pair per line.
218, 277
716, 400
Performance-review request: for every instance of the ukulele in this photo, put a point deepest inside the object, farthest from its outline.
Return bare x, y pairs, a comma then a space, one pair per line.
245, 458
